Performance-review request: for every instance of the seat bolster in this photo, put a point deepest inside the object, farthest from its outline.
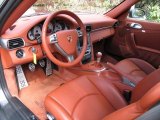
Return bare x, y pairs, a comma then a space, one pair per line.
53, 107
136, 109
127, 113
151, 98
146, 84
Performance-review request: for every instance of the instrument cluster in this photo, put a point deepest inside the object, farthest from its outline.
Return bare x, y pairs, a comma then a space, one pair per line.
53, 27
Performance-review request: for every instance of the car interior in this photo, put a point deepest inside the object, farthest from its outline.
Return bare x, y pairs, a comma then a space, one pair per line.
69, 66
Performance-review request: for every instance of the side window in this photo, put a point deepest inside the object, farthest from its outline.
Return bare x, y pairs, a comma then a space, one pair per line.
146, 10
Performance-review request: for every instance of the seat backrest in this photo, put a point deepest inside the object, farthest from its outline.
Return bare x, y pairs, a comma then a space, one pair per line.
144, 85
143, 65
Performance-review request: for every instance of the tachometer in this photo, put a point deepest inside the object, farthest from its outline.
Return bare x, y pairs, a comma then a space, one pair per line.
37, 31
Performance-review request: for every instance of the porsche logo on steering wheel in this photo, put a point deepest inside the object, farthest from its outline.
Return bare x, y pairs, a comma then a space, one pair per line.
69, 38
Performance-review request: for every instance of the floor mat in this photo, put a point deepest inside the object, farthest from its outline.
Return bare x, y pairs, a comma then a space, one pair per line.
34, 95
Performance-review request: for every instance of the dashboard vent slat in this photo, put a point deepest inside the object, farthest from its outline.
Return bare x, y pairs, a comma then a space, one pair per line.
15, 43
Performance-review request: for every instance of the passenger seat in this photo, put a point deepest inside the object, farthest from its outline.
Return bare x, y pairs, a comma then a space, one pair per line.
137, 69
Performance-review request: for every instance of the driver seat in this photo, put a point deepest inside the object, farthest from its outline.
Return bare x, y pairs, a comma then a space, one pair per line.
93, 98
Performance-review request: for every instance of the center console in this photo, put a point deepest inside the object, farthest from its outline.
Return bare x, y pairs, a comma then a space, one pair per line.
88, 54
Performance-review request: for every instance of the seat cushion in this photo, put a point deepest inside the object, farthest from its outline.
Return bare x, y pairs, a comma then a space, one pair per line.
80, 99
136, 68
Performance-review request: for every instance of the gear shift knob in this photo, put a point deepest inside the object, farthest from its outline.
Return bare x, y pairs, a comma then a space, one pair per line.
99, 56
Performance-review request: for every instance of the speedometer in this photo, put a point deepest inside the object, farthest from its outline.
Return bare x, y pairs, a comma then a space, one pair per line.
31, 35
57, 27
37, 31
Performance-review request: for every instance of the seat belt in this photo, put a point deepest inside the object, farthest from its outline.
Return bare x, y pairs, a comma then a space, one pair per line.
152, 114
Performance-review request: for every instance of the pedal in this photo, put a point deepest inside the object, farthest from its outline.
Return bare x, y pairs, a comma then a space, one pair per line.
42, 63
48, 68
22, 82
31, 67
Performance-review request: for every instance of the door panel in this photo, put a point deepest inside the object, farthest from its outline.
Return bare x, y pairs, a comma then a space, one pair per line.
143, 43
148, 36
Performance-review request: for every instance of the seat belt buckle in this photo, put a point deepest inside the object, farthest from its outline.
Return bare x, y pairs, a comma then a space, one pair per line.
127, 95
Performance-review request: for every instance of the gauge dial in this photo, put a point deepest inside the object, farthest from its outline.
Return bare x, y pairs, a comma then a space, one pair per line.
31, 35
63, 25
50, 28
67, 27
57, 27
37, 31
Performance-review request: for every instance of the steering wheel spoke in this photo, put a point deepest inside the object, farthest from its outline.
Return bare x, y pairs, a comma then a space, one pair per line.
70, 58
53, 38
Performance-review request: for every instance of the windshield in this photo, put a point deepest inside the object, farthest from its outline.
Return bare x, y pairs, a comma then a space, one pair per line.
77, 6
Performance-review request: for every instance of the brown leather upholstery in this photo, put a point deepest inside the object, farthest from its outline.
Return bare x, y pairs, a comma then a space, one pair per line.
144, 85
138, 108
143, 65
136, 68
82, 99
93, 98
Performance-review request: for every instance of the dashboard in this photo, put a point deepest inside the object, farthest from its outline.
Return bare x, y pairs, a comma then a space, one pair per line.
17, 42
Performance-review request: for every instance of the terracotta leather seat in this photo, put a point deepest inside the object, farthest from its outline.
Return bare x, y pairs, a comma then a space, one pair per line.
93, 98
136, 68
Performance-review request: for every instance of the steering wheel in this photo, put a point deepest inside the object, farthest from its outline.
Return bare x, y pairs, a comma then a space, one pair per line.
65, 41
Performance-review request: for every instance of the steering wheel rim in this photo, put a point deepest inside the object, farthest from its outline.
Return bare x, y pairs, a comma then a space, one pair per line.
46, 40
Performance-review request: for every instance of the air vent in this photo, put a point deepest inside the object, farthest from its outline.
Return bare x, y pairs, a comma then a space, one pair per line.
15, 43
88, 28
116, 24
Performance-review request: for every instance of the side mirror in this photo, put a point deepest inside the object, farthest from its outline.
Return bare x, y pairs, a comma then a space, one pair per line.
137, 13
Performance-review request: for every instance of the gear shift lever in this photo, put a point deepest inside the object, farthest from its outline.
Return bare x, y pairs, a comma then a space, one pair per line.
99, 56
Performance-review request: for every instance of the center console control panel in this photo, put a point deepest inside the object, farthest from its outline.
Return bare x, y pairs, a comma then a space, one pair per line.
88, 54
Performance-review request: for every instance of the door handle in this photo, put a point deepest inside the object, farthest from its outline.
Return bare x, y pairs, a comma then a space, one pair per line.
135, 25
